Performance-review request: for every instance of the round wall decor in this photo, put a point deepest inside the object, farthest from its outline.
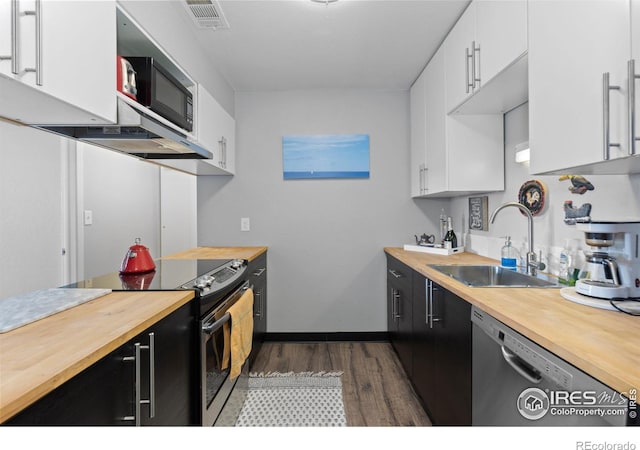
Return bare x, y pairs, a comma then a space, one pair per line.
532, 195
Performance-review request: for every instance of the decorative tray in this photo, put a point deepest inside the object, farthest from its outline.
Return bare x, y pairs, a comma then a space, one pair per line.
432, 249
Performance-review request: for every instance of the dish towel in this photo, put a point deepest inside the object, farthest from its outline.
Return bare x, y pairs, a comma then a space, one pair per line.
241, 331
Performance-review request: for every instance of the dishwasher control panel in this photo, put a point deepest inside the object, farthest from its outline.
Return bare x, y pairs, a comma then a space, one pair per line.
543, 365
527, 351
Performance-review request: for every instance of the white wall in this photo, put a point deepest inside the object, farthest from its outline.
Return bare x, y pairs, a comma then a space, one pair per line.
616, 197
325, 237
124, 195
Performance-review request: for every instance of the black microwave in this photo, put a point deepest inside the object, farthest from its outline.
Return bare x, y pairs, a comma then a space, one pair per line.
161, 92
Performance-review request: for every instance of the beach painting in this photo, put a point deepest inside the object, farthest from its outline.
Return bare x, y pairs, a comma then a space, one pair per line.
325, 156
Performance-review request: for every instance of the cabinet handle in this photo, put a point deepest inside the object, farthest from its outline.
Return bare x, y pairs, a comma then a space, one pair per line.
606, 119
38, 16
430, 319
259, 272
395, 304
467, 56
138, 400
476, 73
14, 38
259, 309
261, 298
136, 359
427, 301
395, 274
631, 103
223, 152
421, 177
424, 180
152, 376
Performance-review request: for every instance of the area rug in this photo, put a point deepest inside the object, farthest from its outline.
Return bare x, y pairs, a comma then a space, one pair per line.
304, 399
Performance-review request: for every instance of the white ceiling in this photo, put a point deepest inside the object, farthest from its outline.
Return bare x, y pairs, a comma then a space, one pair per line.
298, 44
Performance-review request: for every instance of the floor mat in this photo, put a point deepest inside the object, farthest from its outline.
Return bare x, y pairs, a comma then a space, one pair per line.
307, 399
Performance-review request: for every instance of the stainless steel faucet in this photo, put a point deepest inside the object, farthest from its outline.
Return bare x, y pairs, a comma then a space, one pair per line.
533, 265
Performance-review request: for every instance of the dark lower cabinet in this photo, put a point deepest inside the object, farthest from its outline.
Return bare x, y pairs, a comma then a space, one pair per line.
100, 395
175, 355
442, 352
399, 310
425, 365
105, 393
430, 330
257, 270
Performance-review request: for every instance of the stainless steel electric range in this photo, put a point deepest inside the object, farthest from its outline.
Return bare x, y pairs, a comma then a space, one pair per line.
217, 284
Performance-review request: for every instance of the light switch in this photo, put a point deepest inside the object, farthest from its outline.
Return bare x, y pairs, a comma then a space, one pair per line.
88, 217
245, 224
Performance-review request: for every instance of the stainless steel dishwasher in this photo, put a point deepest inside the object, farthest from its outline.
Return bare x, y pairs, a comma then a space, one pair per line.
517, 382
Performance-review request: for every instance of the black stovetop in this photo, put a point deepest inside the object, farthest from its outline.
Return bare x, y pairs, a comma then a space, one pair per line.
170, 274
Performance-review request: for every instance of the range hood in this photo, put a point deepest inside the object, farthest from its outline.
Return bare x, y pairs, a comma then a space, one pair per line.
137, 133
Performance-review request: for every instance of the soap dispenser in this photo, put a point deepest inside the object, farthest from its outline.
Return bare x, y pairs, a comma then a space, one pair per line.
509, 255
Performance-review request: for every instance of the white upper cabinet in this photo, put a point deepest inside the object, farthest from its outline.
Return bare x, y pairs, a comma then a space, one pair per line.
451, 155
58, 60
459, 53
436, 174
488, 38
216, 132
501, 35
579, 52
418, 105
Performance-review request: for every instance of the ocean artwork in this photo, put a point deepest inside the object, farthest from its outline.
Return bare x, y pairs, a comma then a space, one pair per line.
325, 156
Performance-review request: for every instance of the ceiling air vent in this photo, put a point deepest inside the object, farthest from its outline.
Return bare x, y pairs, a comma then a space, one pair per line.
207, 14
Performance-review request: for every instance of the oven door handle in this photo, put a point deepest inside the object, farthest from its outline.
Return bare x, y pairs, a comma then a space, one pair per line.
210, 328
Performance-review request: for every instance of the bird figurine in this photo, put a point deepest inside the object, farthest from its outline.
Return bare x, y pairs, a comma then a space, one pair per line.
573, 215
579, 184
532, 198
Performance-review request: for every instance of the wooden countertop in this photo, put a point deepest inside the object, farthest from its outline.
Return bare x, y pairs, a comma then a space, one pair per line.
604, 344
248, 253
38, 357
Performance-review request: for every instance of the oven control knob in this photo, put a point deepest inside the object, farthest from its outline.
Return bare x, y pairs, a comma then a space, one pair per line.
237, 263
204, 282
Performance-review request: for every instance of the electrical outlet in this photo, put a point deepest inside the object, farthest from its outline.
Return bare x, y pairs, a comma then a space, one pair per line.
88, 217
245, 224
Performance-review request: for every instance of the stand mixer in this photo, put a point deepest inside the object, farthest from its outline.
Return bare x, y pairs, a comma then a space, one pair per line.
616, 247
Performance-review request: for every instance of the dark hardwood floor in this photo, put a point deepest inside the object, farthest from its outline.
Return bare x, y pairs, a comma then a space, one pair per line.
375, 389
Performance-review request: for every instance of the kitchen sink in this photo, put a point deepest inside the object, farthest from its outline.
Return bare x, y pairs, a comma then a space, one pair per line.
494, 276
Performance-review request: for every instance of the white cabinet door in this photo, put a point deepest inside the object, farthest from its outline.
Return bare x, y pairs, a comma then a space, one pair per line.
462, 154
488, 37
459, 60
228, 128
178, 211
571, 45
34, 215
216, 131
436, 174
501, 34
418, 134
75, 81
